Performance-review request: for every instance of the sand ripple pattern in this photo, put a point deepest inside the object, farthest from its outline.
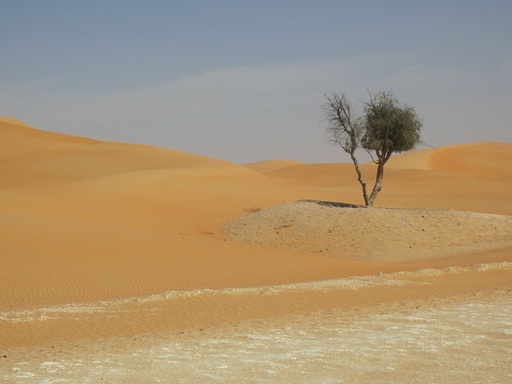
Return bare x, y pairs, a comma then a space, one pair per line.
355, 283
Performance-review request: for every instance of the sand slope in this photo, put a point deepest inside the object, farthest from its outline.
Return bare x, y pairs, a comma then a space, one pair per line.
87, 220
31, 157
84, 221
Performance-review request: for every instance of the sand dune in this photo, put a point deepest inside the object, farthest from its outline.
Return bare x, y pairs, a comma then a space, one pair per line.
87, 220
271, 165
101, 239
445, 178
480, 160
31, 157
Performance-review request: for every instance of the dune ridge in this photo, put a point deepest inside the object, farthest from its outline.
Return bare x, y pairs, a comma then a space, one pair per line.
32, 157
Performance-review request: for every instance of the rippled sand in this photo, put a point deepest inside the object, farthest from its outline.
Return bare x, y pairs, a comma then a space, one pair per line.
462, 340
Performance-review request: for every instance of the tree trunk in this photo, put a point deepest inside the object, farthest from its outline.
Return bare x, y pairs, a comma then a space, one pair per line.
377, 187
360, 178
378, 184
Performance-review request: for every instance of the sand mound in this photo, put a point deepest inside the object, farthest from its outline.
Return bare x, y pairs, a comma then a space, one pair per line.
379, 234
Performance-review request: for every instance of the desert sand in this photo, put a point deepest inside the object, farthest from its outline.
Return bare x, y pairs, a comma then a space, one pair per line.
132, 263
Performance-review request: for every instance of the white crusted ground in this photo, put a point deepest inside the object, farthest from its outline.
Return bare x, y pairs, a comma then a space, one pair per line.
456, 340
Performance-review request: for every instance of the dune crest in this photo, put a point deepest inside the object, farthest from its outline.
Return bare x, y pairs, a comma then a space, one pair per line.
272, 165
485, 160
32, 157
13, 121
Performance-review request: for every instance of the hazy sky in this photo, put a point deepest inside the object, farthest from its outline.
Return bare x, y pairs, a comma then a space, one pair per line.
241, 80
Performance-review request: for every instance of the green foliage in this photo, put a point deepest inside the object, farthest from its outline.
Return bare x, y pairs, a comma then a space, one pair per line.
390, 127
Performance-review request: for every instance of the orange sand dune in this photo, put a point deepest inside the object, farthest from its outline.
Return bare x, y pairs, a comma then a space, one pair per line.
481, 160
31, 157
271, 165
86, 224
432, 178
88, 220
72, 178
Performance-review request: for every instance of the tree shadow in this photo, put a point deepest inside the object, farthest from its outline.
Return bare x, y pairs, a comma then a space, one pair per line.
332, 203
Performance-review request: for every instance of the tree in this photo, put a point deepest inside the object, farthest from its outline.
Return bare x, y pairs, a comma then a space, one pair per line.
385, 127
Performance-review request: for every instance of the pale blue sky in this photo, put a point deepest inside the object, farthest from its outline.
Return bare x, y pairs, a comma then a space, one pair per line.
241, 80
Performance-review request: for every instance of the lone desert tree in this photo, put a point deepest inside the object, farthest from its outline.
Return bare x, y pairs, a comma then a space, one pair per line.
385, 127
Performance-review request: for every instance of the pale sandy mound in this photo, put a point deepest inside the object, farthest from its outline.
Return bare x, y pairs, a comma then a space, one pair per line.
377, 234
